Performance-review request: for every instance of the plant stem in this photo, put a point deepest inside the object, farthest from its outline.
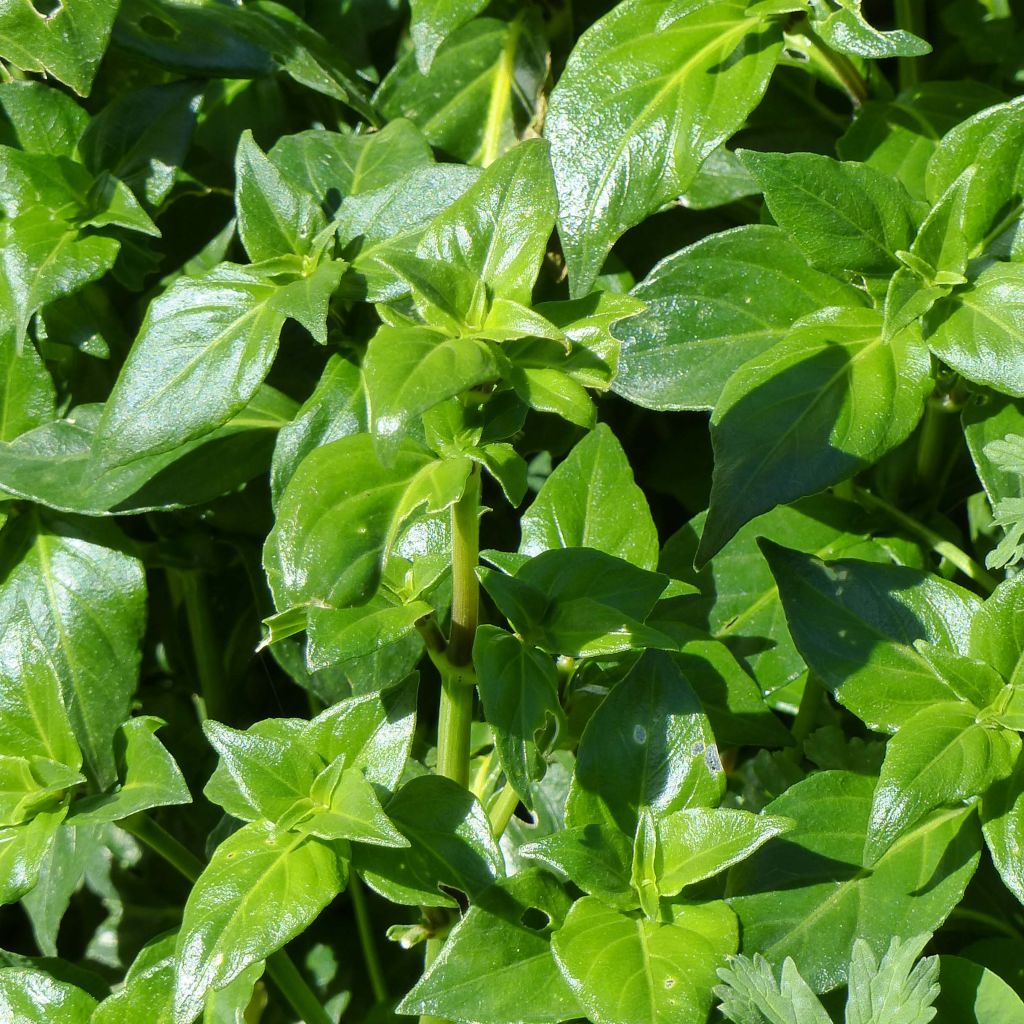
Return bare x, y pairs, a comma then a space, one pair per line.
932, 444
366, 940
502, 810
942, 547
205, 647
835, 67
807, 712
284, 973
908, 18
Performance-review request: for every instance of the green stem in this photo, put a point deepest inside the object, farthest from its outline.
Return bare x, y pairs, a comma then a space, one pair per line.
834, 67
942, 547
366, 940
282, 971
205, 646
933, 441
502, 810
807, 713
908, 18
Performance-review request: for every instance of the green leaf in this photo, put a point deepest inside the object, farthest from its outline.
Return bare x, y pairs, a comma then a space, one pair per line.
481, 94
340, 634
637, 110
345, 806
360, 506
28, 786
972, 994
67, 43
978, 330
408, 370
855, 624
274, 217
151, 778
32, 995
713, 306
374, 732
1002, 821
647, 746
209, 342
434, 20
696, 843
997, 632
752, 994
825, 402
261, 888
807, 895
262, 771
451, 846
24, 850
42, 118
941, 755
597, 858
494, 967
846, 217
591, 500
893, 989
519, 692
80, 598
625, 970
846, 31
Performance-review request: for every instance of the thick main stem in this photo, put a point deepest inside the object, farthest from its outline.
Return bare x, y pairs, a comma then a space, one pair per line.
282, 970
908, 18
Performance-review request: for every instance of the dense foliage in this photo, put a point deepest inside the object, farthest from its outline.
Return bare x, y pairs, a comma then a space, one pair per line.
387, 629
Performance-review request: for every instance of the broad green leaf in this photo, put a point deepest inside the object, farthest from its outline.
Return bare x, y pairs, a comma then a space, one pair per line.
713, 306
274, 217
209, 342
42, 118
143, 137
55, 465
68, 42
335, 409
941, 755
151, 778
494, 967
855, 624
898, 136
997, 632
597, 858
498, 229
451, 846
722, 179
825, 402
846, 217
23, 853
408, 370
434, 20
27, 395
647, 746
972, 994
628, 970
647, 94
978, 330
331, 166
374, 732
1002, 823
739, 602
894, 988
842, 25
336, 635
27, 994
696, 843
591, 500
519, 692
807, 895
482, 92
345, 806
988, 426
71, 587
970, 679
27, 786
261, 888
344, 508
752, 994
262, 771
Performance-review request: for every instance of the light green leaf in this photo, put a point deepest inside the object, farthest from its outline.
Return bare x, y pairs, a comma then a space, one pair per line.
23, 853
591, 500
972, 994
261, 888
855, 624
825, 402
43, 119
713, 306
434, 20
1003, 825
31, 995
345, 806
997, 632
752, 995
336, 635
894, 989
846, 31
637, 110
941, 755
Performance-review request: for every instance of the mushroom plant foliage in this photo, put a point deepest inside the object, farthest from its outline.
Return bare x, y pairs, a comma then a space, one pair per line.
511, 512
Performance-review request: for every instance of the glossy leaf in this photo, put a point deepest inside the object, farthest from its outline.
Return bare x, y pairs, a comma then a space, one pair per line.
829, 399
630, 134
434, 20
33, 995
